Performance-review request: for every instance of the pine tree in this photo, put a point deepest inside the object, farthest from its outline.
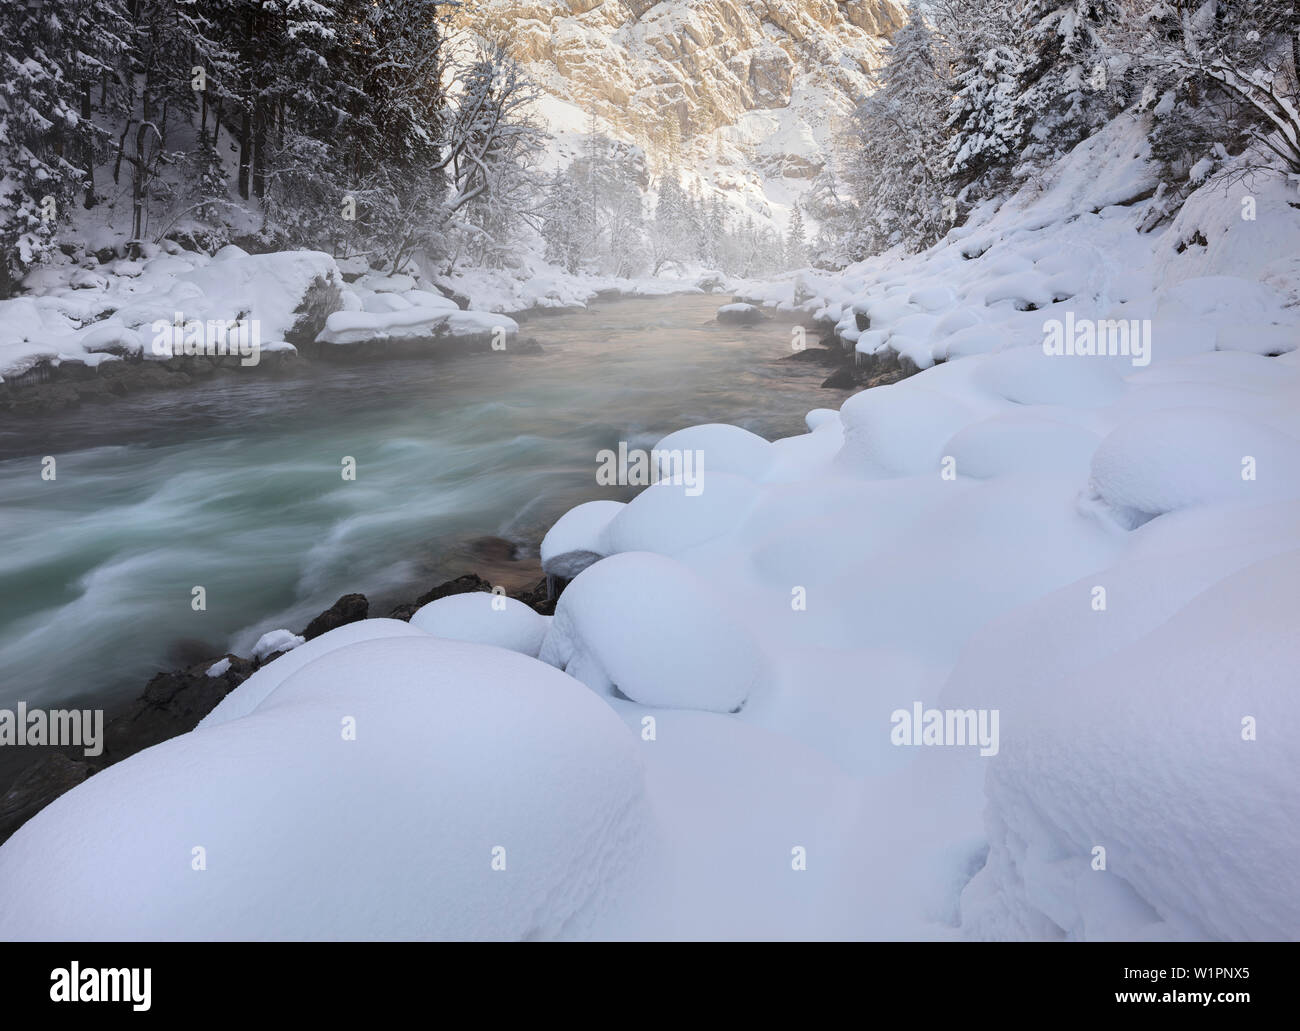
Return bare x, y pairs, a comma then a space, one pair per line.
1067, 89
39, 105
562, 223
796, 244
670, 231
987, 121
897, 170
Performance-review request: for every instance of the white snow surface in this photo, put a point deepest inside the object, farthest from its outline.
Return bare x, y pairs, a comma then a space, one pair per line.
484, 619
462, 755
86, 314
1104, 554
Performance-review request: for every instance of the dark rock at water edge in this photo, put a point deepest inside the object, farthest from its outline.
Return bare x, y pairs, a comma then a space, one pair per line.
50, 387
174, 702
351, 608
841, 379
828, 356
37, 786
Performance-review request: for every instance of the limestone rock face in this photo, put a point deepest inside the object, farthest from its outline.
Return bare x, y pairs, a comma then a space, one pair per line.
750, 84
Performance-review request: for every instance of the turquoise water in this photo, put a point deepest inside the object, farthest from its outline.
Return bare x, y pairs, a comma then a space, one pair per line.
236, 486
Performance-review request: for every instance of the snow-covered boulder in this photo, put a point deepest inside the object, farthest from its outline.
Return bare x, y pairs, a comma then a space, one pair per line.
719, 448
419, 325
740, 314
898, 430
668, 517
251, 693
290, 293
576, 540
654, 630
406, 788
1176, 458
483, 619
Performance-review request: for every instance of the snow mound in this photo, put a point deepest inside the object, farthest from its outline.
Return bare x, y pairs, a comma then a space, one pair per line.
666, 518
725, 449
270, 287
1176, 458
898, 430
250, 694
575, 541
484, 619
649, 627
414, 322
1022, 442
740, 314
1146, 753
369, 797
1027, 376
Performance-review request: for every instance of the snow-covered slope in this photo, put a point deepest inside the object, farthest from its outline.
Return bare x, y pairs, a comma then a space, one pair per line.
1222, 274
1096, 558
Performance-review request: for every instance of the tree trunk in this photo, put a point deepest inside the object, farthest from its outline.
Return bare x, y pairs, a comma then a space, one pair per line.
259, 149
137, 186
245, 154
89, 130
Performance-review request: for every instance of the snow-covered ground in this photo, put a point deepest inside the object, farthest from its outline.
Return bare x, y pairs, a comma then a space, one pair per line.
87, 312
1096, 557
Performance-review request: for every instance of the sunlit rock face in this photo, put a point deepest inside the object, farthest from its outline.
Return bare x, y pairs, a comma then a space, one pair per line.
750, 86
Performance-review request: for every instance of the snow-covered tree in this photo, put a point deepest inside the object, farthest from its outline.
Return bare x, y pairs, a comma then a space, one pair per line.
562, 223
490, 149
896, 168
1217, 77
986, 119
796, 242
39, 105
671, 230
1069, 84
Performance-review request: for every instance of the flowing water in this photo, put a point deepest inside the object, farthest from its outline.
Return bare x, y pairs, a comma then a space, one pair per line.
236, 485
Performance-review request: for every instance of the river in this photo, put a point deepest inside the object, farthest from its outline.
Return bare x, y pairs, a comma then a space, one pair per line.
236, 485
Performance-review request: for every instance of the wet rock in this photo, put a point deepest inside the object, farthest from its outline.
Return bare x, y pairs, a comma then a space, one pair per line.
173, 703
322, 298
404, 612
452, 294
828, 356
461, 585
538, 598
494, 549
841, 379
37, 786
350, 608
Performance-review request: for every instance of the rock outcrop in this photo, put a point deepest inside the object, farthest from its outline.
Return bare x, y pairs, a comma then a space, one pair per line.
753, 86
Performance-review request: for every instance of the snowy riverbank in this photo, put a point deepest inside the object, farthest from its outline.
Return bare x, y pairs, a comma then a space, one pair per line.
1003, 650
99, 325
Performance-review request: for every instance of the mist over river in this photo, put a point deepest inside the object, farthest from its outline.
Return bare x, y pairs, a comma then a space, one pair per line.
235, 484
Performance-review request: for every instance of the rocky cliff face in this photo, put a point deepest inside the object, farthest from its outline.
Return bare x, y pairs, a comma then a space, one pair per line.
735, 90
